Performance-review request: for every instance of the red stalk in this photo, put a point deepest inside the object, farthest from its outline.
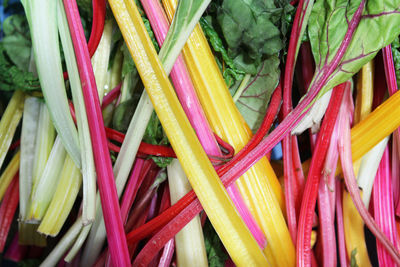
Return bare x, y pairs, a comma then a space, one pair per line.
105, 177
7, 210
384, 210
311, 188
290, 142
15, 251
99, 16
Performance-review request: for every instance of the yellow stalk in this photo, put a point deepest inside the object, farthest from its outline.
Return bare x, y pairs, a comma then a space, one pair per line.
365, 92
231, 229
9, 122
63, 199
9, 173
354, 231
259, 187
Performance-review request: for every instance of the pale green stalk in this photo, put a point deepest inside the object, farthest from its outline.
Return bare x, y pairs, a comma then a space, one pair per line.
43, 192
88, 168
63, 245
186, 17
368, 168
42, 18
30, 122
44, 143
63, 199
241, 88
101, 57
189, 241
9, 122
78, 243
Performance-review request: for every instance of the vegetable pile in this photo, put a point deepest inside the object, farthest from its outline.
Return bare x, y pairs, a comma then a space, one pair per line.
231, 132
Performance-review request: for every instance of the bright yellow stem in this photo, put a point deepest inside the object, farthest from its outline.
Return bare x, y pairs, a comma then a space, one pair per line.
354, 231
9, 122
259, 187
9, 173
63, 199
231, 229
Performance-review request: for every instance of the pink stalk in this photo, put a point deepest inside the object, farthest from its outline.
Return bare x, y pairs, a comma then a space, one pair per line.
340, 224
383, 209
391, 82
169, 248
139, 172
105, 178
15, 251
7, 210
191, 105
111, 96
352, 187
168, 253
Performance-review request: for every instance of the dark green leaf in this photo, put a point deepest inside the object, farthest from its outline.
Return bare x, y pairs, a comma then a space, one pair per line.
396, 59
17, 40
13, 78
254, 100
214, 248
249, 31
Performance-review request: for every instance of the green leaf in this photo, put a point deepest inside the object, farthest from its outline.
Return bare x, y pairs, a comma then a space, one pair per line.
396, 59
214, 248
326, 34
123, 114
254, 99
13, 78
353, 260
17, 40
249, 31
230, 73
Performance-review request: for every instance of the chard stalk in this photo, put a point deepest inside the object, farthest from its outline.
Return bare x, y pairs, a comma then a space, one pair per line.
28, 143
9, 173
63, 200
189, 241
9, 122
42, 193
384, 209
88, 168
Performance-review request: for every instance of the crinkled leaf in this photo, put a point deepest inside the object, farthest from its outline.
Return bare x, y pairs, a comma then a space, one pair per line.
17, 40
254, 100
13, 78
330, 22
249, 31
